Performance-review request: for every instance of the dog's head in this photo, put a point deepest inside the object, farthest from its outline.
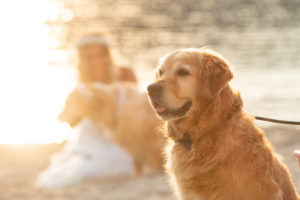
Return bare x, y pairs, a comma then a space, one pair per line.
74, 108
187, 79
92, 101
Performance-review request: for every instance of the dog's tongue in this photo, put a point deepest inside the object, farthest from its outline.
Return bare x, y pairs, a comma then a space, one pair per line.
160, 109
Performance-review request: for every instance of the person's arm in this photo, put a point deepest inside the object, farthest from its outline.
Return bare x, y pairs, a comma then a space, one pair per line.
127, 74
297, 154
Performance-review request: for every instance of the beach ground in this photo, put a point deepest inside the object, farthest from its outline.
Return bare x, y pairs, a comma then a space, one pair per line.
20, 165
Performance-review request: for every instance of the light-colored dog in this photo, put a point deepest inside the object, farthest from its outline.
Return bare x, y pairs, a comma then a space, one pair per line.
126, 113
214, 152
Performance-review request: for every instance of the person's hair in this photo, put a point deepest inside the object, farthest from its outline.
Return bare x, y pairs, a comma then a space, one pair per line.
84, 75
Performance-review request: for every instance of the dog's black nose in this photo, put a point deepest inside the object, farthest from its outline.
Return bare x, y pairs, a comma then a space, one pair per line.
155, 90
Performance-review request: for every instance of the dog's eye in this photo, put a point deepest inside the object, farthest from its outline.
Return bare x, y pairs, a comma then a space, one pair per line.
183, 72
160, 72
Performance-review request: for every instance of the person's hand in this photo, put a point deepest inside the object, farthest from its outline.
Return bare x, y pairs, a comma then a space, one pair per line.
297, 154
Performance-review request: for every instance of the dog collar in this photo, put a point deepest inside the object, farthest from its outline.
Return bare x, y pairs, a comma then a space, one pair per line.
186, 141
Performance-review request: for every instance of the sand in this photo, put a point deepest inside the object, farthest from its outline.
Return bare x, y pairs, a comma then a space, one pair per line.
20, 165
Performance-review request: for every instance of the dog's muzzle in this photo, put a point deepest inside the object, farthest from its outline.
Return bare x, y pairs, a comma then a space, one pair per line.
155, 90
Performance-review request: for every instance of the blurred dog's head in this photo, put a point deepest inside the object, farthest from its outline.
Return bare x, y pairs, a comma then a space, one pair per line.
73, 111
187, 79
95, 102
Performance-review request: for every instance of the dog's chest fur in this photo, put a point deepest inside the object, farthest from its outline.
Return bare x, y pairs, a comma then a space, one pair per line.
184, 173
195, 171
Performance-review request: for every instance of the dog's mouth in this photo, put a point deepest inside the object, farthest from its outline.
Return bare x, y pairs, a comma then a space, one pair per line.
163, 111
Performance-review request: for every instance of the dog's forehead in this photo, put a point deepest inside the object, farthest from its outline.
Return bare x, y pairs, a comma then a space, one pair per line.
175, 60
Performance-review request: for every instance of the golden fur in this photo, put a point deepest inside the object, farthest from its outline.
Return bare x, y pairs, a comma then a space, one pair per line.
229, 159
132, 125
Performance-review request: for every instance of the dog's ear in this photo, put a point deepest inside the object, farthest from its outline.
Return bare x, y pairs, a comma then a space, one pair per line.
215, 72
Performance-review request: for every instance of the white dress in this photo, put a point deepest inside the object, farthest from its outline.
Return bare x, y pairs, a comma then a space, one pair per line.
90, 154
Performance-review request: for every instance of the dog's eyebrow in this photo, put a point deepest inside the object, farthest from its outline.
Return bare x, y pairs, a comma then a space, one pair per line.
185, 66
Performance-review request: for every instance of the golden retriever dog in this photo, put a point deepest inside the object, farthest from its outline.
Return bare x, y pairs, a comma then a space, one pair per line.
214, 152
126, 113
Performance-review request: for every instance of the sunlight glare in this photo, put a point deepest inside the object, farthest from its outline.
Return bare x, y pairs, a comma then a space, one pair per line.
32, 91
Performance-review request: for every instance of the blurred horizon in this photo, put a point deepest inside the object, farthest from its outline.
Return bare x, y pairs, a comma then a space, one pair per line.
260, 38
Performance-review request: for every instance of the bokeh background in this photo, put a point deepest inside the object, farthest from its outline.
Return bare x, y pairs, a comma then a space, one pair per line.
261, 39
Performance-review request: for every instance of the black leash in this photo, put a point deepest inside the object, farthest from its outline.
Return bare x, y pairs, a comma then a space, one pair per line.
276, 120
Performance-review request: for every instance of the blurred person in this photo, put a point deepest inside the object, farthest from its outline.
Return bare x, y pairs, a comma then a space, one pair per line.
90, 153
96, 62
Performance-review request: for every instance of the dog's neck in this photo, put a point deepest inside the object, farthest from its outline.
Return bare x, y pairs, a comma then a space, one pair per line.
206, 118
